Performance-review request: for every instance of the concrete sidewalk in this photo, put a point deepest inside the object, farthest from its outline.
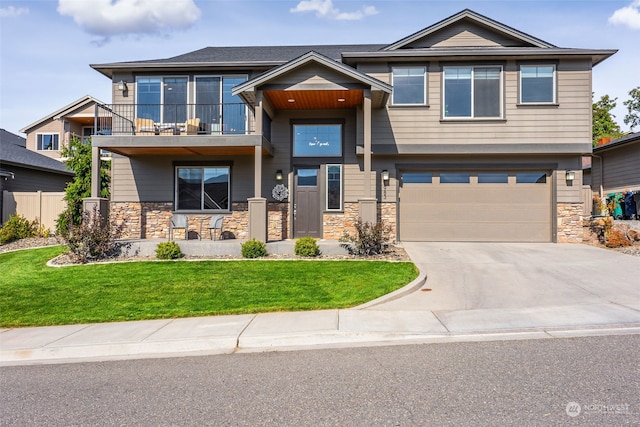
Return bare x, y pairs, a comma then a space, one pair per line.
421, 312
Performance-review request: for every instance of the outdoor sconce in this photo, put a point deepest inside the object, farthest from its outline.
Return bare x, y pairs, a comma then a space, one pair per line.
385, 177
570, 176
279, 175
122, 86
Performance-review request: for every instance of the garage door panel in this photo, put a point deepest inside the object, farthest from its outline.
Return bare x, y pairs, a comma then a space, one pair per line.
475, 212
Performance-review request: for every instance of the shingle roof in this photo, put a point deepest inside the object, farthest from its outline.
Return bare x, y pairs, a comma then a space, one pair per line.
14, 152
628, 139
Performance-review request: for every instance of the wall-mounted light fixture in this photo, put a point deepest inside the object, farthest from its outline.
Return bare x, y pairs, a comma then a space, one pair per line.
385, 177
279, 175
570, 175
122, 86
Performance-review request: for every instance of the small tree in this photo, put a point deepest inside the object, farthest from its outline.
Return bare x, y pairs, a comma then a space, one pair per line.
633, 106
603, 124
78, 155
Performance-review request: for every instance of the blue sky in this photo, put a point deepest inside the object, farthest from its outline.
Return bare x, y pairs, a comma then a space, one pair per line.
46, 46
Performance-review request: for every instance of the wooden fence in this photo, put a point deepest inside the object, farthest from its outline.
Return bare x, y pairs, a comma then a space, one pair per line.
587, 196
44, 206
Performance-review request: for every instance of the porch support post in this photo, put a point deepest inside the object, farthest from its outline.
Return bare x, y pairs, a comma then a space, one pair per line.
95, 202
367, 204
257, 203
95, 172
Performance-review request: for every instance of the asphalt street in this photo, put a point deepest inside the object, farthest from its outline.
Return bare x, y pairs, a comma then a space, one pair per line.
563, 381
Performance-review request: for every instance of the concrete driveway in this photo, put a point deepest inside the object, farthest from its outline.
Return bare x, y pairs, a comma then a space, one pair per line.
477, 286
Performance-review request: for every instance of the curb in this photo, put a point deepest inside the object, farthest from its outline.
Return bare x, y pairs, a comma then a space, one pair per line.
417, 283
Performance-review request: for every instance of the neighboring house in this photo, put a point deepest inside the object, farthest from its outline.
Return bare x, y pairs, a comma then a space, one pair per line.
22, 170
464, 131
48, 135
616, 165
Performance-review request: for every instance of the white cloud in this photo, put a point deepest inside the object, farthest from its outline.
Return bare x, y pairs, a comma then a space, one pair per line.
106, 18
325, 9
628, 15
9, 12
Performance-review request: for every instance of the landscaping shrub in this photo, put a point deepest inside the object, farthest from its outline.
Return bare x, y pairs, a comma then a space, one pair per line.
254, 249
93, 239
18, 227
616, 239
307, 247
369, 239
168, 250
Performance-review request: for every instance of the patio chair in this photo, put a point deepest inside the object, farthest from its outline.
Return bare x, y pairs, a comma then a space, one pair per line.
145, 127
191, 127
215, 224
179, 221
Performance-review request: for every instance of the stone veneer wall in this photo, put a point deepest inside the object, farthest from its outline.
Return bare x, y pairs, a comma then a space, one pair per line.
570, 223
151, 220
278, 221
335, 224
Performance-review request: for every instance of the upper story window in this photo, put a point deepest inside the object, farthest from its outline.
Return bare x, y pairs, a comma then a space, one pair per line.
48, 142
472, 92
537, 84
409, 86
317, 140
162, 99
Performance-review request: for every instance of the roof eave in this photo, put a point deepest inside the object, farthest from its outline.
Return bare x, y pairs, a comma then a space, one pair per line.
108, 69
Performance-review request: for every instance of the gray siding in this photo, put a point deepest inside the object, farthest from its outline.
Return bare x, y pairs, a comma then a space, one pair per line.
621, 169
34, 180
464, 34
566, 122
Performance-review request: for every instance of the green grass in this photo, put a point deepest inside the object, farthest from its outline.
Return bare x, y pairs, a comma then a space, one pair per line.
32, 294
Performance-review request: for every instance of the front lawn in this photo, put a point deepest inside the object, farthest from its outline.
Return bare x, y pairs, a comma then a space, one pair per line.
32, 294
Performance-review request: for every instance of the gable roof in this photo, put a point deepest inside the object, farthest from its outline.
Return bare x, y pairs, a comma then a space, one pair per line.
309, 57
78, 103
625, 140
475, 17
13, 152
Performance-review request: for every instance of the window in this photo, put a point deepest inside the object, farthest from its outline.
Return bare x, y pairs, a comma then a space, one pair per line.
334, 187
472, 92
202, 188
537, 84
454, 178
48, 142
417, 178
317, 140
493, 178
531, 178
409, 86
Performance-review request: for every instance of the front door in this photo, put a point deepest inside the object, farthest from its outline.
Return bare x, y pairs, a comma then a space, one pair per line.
306, 203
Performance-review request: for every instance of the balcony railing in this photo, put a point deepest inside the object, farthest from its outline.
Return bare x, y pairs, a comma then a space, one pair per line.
169, 119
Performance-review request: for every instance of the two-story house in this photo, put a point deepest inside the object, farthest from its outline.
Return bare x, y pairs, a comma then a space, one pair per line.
468, 130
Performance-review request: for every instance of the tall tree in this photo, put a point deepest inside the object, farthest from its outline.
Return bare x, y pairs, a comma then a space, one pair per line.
633, 105
78, 155
603, 124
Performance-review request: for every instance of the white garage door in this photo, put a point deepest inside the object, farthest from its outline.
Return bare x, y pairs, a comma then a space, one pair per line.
470, 206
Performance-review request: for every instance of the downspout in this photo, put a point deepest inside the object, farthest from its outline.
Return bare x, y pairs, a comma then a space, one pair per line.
601, 174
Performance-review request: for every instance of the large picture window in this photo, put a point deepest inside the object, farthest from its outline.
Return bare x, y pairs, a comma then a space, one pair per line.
409, 86
317, 140
202, 188
334, 187
537, 84
48, 142
471, 92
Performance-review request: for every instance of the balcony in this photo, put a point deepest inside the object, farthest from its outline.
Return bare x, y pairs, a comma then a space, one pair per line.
185, 129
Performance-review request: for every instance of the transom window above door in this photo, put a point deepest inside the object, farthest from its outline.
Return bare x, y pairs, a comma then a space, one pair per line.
472, 92
317, 140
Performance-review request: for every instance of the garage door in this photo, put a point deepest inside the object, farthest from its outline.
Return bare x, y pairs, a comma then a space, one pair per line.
475, 206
